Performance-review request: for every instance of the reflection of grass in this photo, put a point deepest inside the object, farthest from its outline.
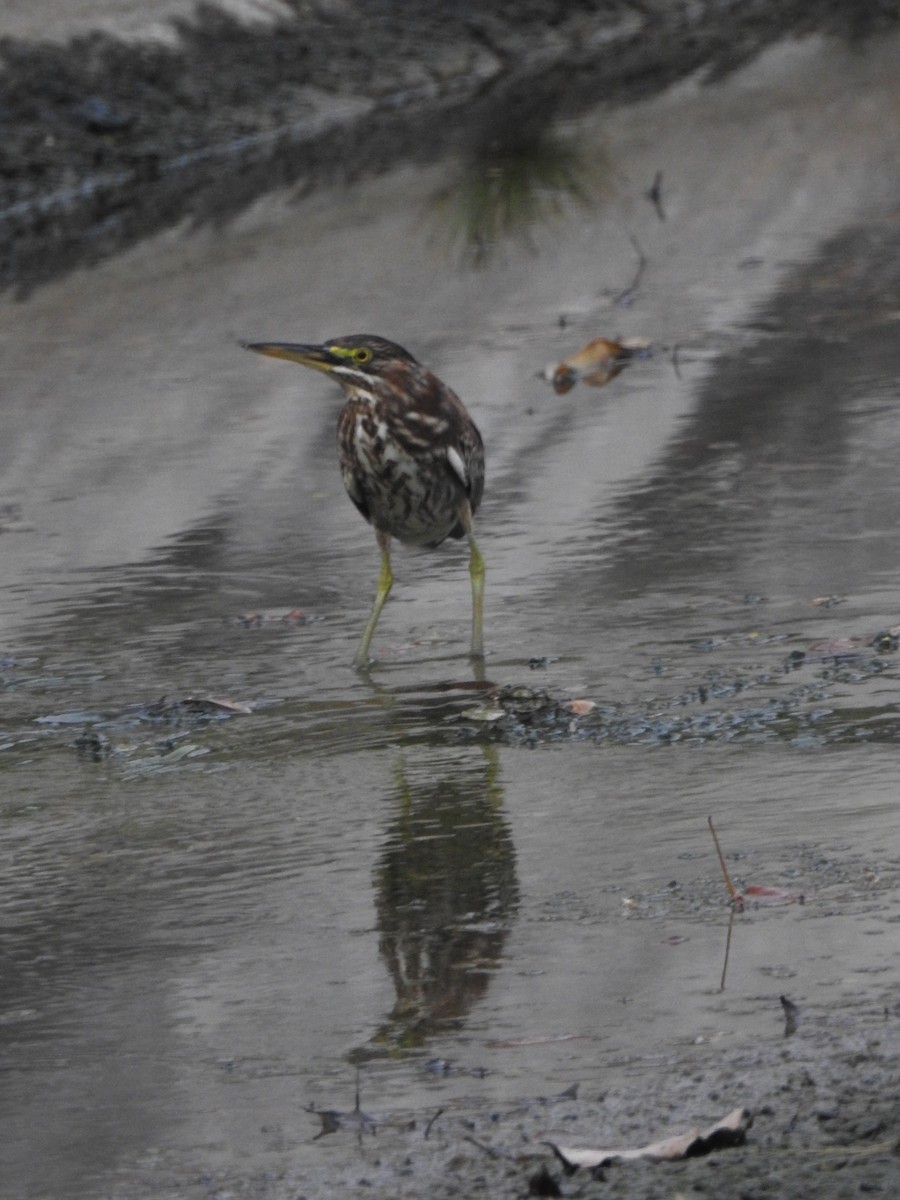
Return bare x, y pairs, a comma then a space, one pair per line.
507, 191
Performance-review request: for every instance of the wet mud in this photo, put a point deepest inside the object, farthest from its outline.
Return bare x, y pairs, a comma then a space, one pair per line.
824, 1123
106, 142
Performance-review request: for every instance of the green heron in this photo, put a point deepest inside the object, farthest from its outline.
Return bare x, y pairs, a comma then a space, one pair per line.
412, 459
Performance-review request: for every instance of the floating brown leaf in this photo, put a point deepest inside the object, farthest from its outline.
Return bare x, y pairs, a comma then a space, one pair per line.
595, 363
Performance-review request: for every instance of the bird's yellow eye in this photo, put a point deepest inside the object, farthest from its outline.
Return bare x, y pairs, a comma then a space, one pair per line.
362, 355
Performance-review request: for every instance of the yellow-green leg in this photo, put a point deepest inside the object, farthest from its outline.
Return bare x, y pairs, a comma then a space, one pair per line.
385, 583
476, 571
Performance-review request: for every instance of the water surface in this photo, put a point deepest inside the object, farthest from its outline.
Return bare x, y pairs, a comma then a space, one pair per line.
211, 920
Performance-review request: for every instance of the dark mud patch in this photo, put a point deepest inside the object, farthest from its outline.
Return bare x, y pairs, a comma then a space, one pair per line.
140, 737
103, 142
806, 700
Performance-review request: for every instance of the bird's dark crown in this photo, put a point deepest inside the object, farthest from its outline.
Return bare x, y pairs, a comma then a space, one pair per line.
367, 350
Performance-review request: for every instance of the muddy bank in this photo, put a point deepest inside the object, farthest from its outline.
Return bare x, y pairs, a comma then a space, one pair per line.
824, 1123
107, 141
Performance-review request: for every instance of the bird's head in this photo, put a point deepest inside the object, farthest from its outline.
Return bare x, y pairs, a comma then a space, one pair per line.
359, 361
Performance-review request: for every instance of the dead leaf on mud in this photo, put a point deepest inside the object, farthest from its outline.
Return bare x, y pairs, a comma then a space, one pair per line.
769, 897
759, 894
596, 363
836, 650
730, 1131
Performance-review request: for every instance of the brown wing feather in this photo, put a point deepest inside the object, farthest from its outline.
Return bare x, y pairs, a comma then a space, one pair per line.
410, 454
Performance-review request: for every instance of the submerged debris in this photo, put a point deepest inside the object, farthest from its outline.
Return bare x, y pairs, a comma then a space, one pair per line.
181, 718
791, 1016
333, 1120
92, 746
204, 707
268, 618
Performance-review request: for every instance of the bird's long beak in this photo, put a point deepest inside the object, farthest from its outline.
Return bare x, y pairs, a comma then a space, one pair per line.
316, 357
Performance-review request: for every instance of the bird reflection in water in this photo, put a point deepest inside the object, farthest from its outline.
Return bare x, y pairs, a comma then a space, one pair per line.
446, 895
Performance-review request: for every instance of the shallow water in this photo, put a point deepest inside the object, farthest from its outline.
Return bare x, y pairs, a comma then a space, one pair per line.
209, 921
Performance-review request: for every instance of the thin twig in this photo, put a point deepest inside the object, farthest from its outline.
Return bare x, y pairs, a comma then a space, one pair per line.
736, 897
625, 297
727, 950
431, 1122
490, 1151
